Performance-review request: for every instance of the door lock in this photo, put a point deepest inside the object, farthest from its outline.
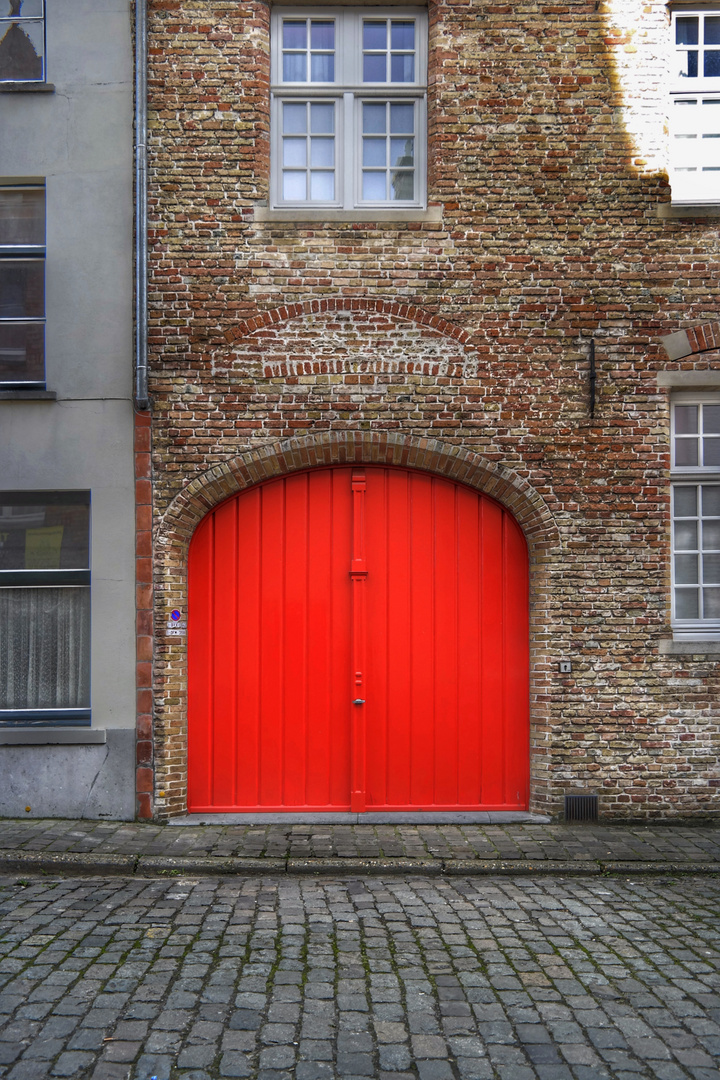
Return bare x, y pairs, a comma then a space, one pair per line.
359, 701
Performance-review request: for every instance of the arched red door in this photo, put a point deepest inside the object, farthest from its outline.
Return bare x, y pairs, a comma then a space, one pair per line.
358, 639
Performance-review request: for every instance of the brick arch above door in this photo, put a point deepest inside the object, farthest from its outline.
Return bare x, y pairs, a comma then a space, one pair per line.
257, 465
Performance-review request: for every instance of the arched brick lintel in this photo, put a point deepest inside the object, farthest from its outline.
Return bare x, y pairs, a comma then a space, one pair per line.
263, 319
275, 459
697, 339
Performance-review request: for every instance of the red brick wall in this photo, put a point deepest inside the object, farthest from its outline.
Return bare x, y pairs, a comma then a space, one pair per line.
469, 335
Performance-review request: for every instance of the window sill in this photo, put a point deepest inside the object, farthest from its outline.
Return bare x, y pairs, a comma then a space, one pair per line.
689, 648
49, 736
27, 88
28, 395
680, 211
263, 214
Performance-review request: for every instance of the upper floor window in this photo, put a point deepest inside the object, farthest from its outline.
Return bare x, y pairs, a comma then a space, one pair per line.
695, 106
349, 108
22, 286
22, 40
696, 516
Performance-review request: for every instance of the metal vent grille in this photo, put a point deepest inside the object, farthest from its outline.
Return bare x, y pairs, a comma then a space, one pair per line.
581, 807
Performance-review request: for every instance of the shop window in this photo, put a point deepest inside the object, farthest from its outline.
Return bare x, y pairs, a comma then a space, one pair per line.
349, 108
45, 607
696, 517
695, 106
22, 286
22, 41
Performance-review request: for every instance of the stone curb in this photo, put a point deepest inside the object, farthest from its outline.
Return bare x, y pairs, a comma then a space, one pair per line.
44, 862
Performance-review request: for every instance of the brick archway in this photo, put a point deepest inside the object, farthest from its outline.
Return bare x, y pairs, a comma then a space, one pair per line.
333, 448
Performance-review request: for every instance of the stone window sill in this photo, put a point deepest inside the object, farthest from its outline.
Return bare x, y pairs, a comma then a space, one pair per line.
690, 210
27, 88
28, 395
262, 214
689, 648
49, 736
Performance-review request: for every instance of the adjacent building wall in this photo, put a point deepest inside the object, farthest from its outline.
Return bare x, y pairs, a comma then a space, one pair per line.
78, 138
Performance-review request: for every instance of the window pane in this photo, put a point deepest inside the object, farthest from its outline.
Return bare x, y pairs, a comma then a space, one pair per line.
686, 451
402, 68
22, 216
712, 30
322, 153
322, 119
402, 119
711, 603
322, 186
374, 119
686, 30
295, 186
711, 500
401, 152
686, 603
294, 34
711, 451
374, 67
294, 119
22, 352
294, 67
403, 185
711, 569
374, 35
686, 569
45, 648
21, 50
685, 501
295, 152
402, 35
686, 536
711, 535
374, 152
322, 67
29, 8
686, 419
711, 63
45, 535
711, 419
22, 289
322, 35
374, 186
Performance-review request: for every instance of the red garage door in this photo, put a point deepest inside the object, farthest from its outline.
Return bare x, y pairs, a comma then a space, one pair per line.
358, 639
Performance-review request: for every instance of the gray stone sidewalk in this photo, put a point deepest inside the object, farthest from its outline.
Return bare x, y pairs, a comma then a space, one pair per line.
135, 848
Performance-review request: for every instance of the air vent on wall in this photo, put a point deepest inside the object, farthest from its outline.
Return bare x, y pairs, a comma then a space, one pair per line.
581, 807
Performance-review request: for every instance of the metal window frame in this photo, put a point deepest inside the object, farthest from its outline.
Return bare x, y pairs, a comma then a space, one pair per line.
348, 91
700, 629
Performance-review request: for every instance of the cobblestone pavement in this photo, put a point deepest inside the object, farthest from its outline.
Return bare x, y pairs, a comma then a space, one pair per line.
552, 842
307, 978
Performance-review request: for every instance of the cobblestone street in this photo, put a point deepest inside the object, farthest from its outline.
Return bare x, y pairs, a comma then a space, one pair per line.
313, 977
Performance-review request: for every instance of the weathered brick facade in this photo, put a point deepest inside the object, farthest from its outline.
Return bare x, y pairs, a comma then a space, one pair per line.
459, 345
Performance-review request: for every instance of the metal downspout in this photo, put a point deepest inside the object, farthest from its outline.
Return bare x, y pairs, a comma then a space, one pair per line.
141, 350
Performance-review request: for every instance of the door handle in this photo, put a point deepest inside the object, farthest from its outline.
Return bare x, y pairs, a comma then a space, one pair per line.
359, 701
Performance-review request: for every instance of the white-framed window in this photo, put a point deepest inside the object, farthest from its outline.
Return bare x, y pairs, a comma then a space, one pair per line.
695, 464
695, 105
22, 41
45, 607
22, 286
348, 108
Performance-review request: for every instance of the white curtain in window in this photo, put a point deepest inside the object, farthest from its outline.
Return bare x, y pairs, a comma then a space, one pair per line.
45, 648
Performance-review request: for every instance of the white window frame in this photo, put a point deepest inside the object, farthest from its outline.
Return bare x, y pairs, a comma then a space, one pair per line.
694, 121
24, 23
697, 476
348, 92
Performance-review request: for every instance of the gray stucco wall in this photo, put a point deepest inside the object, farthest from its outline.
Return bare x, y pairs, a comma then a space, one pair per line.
78, 139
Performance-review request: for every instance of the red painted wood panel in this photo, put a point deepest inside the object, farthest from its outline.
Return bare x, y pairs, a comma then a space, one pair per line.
389, 586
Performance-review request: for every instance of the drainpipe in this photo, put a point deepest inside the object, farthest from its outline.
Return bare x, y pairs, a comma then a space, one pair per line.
141, 351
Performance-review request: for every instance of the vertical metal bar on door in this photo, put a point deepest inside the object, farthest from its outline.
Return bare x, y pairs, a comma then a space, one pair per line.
358, 576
